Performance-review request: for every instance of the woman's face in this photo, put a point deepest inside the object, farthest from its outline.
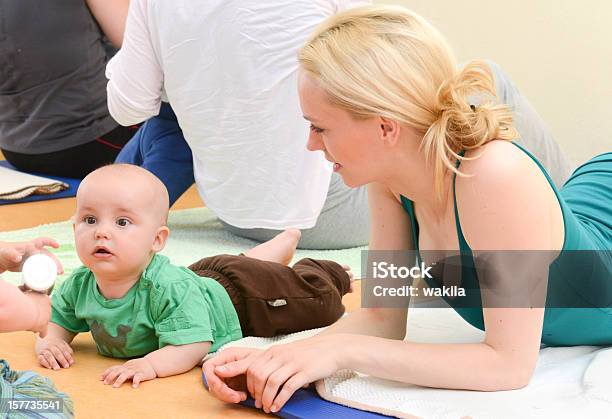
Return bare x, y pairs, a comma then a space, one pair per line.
353, 145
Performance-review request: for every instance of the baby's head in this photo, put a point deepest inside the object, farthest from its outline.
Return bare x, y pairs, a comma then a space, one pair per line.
120, 220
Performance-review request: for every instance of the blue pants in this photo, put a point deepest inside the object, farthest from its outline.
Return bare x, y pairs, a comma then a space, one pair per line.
159, 147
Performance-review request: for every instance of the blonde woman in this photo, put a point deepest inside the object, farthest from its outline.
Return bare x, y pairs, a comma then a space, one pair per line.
390, 109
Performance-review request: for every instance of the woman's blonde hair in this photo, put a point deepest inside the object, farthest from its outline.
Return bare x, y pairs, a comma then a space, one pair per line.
388, 61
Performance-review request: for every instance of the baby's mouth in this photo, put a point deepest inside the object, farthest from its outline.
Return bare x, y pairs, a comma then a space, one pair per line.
102, 252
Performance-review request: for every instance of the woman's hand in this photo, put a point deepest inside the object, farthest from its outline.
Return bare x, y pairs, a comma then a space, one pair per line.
12, 255
275, 374
225, 373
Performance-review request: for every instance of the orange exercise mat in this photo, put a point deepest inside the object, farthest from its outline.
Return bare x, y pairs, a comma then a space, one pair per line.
181, 396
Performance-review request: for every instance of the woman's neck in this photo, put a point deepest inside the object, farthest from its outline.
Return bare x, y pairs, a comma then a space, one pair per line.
409, 175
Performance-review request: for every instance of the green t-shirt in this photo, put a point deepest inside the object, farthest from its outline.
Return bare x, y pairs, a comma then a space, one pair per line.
169, 305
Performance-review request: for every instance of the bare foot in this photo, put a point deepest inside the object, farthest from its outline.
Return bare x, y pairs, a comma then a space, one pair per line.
280, 249
351, 277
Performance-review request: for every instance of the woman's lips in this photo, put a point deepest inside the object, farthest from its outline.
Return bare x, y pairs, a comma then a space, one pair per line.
337, 166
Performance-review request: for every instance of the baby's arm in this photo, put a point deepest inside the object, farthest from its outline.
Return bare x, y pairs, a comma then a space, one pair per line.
164, 362
54, 350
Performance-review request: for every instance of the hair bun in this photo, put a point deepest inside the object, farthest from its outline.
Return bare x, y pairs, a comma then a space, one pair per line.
468, 126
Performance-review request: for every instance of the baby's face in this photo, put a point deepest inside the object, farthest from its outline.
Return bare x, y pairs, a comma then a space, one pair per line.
115, 227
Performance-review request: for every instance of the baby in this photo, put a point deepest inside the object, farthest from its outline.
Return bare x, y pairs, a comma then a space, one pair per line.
167, 318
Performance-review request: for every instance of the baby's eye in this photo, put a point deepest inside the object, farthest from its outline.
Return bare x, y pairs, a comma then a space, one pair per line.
90, 219
123, 222
315, 129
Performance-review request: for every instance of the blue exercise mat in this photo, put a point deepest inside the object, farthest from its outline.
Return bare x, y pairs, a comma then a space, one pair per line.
306, 403
73, 185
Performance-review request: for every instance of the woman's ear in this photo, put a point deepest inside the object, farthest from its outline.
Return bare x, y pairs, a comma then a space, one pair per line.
389, 131
160, 239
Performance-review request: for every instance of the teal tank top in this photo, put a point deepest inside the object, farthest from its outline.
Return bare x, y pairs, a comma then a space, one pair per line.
579, 307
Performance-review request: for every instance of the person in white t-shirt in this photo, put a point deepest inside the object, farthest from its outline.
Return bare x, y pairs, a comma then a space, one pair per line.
217, 84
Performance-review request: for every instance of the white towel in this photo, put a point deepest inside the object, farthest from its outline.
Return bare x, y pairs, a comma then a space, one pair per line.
17, 185
567, 383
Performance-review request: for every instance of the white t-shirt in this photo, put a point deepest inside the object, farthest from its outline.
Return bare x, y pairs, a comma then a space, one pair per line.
229, 70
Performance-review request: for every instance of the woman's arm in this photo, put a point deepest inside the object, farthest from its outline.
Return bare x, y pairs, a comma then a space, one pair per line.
390, 231
507, 205
23, 311
505, 361
482, 366
110, 15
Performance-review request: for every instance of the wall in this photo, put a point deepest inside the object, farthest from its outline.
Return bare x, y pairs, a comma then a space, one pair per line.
559, 53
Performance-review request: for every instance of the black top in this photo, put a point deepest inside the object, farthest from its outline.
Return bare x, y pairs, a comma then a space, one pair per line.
52, 85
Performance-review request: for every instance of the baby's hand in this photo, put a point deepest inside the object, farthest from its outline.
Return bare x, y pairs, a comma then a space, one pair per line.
137, 370
54, 353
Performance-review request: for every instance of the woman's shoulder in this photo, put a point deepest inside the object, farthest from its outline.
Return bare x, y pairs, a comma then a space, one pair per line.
496, 161
504, 193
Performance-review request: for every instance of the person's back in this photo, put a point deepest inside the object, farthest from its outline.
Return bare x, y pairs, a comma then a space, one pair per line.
230, 73
51, 59
52, 87
245, 110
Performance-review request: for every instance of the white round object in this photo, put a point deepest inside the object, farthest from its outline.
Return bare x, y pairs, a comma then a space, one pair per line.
39, 272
